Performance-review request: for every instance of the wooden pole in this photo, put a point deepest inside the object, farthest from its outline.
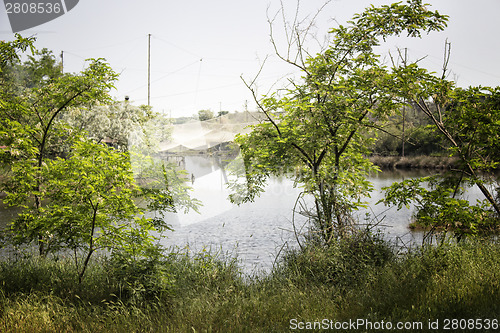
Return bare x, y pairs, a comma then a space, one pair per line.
404, 115
149, 69
62, 61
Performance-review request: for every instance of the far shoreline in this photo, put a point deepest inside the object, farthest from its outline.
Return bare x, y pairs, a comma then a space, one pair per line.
414, 162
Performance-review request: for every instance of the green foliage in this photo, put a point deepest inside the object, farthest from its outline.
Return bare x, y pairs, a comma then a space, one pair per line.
205, 115
89, 204
39, 69
472, 118
467, 119
17, 142
77, 194
425, 142
440, 208
452, 281
314, 130
344, 263
9, 51
36, 93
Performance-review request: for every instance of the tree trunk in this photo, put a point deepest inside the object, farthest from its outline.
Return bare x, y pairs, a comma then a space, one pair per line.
91, 245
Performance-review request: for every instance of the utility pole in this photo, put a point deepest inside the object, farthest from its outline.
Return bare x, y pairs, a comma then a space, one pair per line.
246, 111
404, 113
62, 61
149, 69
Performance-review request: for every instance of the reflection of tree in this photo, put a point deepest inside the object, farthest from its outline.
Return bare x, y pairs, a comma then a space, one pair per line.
320, 139
219, 162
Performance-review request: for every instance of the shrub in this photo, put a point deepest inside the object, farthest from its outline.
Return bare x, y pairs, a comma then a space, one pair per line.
343, 262
140, 278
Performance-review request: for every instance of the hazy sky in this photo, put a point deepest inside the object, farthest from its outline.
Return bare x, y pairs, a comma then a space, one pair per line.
199, 49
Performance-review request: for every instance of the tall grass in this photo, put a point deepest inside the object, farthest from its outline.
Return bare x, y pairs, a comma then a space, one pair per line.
361, 277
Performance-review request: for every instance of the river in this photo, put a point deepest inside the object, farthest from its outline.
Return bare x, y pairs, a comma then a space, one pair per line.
255, 232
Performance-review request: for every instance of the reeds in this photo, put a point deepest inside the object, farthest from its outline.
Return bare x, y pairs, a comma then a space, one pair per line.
359, 278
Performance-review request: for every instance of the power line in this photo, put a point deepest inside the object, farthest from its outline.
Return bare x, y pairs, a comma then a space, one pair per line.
202, 90
164, 76
455, 63
178, 47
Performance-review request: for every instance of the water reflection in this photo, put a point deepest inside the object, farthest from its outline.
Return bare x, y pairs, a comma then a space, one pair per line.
256, 231
7, 214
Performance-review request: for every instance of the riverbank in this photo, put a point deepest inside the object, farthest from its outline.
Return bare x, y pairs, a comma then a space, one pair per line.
414, 162
203, 293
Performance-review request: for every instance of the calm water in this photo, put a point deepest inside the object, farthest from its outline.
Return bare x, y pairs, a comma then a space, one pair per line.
255, 232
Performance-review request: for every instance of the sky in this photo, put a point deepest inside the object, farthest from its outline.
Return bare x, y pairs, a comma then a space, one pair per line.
200, 49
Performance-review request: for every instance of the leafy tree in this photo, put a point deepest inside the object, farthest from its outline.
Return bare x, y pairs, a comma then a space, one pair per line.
85, 197
313, 130
9, 51
122, 123
40, 68
468, 119
89, 207
205, 115
92, 204
440, 208
31, 106
14, 145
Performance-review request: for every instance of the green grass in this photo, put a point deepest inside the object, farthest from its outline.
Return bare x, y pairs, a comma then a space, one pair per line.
358, 278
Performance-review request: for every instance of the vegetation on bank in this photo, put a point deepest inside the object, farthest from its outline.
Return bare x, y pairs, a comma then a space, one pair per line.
360, 277
414, 162
79, 196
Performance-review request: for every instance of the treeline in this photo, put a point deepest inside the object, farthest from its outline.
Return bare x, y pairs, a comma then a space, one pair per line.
410, 133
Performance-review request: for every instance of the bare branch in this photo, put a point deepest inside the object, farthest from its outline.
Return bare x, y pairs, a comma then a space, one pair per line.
446, 59
295, 35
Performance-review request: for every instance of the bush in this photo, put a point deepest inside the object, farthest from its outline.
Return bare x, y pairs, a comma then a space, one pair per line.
140, 279
344, 262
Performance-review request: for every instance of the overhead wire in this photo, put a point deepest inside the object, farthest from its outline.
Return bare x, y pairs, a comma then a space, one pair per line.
176, 46
454, 63
164, 76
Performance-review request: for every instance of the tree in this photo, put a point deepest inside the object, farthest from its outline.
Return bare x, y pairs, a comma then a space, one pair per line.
32, 105
9, 51
85, 197
89, 207
205, 115
14, 145
469, 121
439, 207
121, 123
313, 130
